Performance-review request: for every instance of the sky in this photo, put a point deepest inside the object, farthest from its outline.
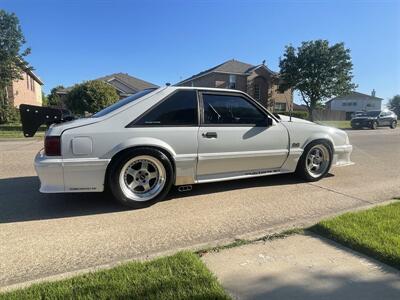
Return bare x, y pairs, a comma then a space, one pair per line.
167, 41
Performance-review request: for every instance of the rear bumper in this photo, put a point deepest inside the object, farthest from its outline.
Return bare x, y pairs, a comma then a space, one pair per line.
59, 175
341, 156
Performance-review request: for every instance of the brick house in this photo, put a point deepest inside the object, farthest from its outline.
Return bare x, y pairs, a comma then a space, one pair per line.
258, 81
124, 84
27, 90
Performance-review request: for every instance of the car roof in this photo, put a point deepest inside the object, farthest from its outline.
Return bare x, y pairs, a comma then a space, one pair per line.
204, 89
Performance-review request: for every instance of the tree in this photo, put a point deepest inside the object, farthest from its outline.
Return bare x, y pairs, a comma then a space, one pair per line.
317, 71
91, 96
45, 100
12, 62
394, 105
54, 99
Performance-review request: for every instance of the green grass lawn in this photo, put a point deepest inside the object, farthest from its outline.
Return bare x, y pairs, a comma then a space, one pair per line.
15, 131
374, 232
181, 276
337, 124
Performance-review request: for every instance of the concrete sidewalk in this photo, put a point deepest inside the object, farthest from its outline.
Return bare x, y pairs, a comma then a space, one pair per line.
302, 267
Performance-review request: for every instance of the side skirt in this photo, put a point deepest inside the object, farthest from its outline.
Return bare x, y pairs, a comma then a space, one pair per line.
241, 175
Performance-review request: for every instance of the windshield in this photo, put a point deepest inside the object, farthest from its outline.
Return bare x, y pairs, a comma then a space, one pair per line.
371, 113
122, 102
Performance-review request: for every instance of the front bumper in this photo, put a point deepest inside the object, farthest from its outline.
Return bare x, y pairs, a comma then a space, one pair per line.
58, 175
341, 156
361, 122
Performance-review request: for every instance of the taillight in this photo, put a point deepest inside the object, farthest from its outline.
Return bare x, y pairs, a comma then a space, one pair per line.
52, 146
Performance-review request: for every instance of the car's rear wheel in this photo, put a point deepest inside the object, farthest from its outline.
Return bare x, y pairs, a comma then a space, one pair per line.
374, 125
393, 124
315, 161
140, 177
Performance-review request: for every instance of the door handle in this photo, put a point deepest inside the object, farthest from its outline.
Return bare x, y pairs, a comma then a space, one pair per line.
209, 135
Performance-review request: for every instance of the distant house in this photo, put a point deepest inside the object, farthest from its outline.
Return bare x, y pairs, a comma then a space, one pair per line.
258, 81
124, 84
355, 101
27, 90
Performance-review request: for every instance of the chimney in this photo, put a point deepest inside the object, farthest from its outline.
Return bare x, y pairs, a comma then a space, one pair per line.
373, 93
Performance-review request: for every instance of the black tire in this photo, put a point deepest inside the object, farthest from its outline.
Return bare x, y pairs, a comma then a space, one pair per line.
393, 124
374, 125
116, 166
302, 170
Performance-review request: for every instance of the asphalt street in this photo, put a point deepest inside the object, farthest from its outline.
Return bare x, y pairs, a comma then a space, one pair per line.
45, 235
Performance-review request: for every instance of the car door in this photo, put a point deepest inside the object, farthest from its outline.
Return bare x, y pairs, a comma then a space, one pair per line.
385, 118
237, 138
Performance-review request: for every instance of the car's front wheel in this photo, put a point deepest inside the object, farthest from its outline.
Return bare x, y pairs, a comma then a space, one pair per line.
140, 177
315, 161
374, 125
393, 124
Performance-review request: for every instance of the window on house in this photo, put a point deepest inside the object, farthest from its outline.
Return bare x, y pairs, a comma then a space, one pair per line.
180, 109
280, 106
232, 81
230, 109
27, 81
257, 91
33, 85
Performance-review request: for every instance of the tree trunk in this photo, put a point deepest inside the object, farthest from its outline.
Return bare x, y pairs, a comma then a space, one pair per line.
310, 114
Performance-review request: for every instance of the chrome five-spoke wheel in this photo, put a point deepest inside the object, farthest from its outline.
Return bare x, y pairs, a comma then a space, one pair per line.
318, 160
142, 178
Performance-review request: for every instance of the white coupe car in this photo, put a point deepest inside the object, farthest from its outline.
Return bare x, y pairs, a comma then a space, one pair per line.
142, 145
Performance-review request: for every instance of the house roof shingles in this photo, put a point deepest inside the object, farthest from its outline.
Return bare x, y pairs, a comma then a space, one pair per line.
132, 83
355, 96
231, 66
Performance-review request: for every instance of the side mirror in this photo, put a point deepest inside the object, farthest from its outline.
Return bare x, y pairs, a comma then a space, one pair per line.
277, 116
264, 123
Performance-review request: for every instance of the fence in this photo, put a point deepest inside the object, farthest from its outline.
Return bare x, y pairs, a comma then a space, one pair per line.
329, 115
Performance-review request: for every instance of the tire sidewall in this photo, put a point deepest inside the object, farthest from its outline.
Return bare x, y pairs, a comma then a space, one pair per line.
393, 124
301, 169
117, 165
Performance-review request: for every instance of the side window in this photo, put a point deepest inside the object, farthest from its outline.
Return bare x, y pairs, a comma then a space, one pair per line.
227, 109
179, 109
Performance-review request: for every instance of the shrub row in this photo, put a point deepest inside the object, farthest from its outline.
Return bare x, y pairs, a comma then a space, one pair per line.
296, 114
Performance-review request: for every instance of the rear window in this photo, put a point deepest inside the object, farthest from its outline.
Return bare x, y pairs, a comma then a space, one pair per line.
122, 102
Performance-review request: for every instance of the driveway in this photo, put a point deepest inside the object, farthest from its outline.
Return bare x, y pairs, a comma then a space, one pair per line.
44, 235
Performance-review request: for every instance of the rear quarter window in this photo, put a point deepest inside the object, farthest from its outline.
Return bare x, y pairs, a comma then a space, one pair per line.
178, 109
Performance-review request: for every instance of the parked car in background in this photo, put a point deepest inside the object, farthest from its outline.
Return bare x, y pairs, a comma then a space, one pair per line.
142, 145
374, 119
357, 113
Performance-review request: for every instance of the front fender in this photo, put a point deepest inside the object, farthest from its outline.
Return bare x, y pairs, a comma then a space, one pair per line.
318, 136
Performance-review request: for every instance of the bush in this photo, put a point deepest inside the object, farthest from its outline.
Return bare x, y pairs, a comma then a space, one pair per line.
91, 96
301, 114
9, 114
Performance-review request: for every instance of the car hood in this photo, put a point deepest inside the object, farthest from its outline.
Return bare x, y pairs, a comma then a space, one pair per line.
285, 118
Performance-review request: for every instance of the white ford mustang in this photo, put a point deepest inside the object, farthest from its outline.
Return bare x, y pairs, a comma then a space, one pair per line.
142, 145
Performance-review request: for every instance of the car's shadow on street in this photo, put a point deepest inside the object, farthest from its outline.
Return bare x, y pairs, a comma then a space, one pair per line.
20, 199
